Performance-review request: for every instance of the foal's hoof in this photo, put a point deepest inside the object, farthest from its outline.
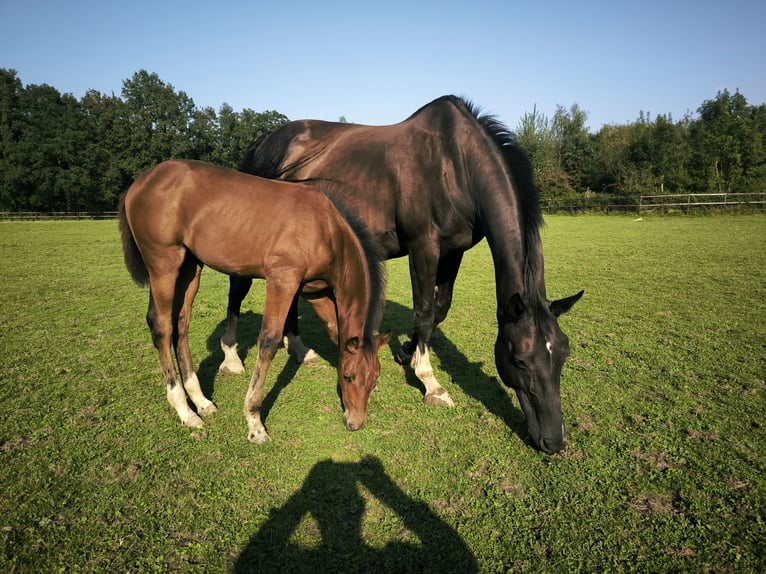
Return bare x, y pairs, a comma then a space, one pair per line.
438, 398
208, 410
258, 437
194, 422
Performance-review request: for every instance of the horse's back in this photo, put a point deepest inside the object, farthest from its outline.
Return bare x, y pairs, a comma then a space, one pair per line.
403, 179
233, 222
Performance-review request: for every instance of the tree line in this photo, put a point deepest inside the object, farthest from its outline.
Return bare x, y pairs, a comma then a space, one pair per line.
58, 153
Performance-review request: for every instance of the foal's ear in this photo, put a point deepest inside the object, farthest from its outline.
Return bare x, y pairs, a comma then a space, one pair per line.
352, 345
382, 339
561, 306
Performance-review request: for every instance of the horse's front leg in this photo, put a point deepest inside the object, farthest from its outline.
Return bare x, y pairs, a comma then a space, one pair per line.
188, 285
238, 289
423, 266
446, 275
279, 295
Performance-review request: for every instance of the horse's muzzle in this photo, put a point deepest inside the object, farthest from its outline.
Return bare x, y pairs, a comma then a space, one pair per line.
553, 445
353, 423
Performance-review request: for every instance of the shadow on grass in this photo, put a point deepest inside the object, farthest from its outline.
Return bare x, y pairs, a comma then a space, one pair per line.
330, 494
468, 375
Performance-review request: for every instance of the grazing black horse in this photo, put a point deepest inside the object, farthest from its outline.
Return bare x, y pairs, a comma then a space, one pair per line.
432, 187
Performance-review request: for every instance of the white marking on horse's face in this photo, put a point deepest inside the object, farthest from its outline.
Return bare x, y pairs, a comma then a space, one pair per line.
549, 347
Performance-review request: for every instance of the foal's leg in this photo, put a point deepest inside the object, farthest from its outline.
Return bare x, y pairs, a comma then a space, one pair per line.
423, 267
238, 289
327, 312
279, 294
160, 320
292, 339
188, 285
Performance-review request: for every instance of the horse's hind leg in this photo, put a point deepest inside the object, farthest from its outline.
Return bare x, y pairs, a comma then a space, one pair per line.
232, 364
279, 294
160, 319
292, 339
186, 290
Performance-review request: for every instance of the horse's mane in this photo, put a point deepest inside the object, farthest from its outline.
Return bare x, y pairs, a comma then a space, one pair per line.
375, 264
521, 173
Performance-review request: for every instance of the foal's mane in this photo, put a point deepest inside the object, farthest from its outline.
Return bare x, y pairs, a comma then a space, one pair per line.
521, 173
374, 258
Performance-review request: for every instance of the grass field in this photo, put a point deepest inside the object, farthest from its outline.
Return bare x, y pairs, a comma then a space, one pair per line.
664, 397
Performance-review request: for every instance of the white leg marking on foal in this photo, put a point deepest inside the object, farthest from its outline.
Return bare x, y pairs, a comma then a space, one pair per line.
232, 364
435, 394
177, 398
204, 405
298, 350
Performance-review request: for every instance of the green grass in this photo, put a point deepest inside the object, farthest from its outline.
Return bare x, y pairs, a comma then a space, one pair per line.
664, 396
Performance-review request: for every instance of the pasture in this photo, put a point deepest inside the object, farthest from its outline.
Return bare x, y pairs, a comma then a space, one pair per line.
663, 395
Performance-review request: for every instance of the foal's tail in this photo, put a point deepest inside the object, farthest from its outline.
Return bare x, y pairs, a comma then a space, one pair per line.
133, 260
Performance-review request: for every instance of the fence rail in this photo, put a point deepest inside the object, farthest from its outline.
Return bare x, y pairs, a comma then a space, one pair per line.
665, 203
639, 204
40, 215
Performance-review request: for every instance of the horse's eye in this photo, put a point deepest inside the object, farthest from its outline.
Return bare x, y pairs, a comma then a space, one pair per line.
348, 379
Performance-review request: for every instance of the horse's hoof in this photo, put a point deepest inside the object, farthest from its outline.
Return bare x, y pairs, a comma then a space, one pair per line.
438, 398
404, 355
194, 422
208, 410
259, 437
229, 370
311, 356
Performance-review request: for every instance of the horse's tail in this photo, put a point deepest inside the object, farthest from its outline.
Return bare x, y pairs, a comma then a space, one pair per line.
133, 260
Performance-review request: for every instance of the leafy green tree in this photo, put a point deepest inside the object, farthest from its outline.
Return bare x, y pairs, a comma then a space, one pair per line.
728, 143
158, 119
10, 127
573, 144
105, 148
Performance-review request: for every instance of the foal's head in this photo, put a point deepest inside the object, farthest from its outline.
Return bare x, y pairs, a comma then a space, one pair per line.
358, 371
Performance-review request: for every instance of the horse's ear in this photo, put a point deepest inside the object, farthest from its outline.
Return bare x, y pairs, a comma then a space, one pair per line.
515, 308
352, 345
561, 306
382, 339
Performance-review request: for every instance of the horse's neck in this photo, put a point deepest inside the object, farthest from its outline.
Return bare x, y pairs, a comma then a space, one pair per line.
352, 294
508, 241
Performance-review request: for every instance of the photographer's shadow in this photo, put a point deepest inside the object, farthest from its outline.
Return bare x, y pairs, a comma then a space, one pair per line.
330, 494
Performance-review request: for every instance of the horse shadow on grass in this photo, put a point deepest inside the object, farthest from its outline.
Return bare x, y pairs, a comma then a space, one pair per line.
468, 375
331, 495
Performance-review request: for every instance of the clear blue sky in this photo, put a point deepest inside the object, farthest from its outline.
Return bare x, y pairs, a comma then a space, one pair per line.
377, 62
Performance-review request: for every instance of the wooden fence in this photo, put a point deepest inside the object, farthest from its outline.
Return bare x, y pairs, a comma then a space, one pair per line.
40, 215
666, 203
639, 204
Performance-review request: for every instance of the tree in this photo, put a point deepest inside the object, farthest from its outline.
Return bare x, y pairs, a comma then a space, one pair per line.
158, 119
536, 136
727, 142
10, 127
572, 143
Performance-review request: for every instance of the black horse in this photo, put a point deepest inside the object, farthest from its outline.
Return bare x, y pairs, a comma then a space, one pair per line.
432, 187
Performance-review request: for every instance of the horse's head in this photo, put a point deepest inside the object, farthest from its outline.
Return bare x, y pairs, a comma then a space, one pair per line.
529, 353
358, 371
